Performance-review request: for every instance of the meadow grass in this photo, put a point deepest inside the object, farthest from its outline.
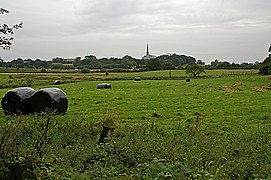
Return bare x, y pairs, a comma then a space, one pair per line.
132, 101
15, 79
209, 128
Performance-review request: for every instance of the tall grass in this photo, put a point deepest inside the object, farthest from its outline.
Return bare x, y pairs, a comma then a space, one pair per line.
149, 151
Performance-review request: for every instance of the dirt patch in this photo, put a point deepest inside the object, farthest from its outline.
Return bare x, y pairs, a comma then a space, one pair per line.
262, 89
228, 89
237, 84
231, 89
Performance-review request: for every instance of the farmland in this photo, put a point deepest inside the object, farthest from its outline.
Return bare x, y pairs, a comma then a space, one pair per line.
216, 127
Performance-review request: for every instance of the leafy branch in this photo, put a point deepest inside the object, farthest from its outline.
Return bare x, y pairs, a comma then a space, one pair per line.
5, 30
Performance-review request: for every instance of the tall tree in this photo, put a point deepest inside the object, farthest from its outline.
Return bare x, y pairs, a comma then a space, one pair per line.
168, 65
6, 32
154, 64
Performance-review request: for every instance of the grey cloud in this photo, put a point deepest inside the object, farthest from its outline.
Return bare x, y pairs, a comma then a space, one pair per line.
131, 15
122, 15
172, 25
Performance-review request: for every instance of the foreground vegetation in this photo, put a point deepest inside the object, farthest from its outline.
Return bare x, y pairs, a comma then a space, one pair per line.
214, 127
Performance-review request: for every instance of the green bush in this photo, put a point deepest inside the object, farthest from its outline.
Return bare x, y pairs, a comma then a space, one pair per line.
43, 70
265, 68
85, 70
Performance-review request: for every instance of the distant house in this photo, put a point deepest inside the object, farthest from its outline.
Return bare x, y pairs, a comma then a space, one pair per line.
68, 61
148, 56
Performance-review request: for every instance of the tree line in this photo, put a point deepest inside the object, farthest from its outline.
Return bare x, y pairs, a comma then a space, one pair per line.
216, 64
163, 62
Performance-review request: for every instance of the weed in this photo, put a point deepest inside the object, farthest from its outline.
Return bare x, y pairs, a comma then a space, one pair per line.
192, 125
17, 165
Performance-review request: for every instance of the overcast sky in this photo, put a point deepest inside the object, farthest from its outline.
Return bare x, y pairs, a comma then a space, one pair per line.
231, 30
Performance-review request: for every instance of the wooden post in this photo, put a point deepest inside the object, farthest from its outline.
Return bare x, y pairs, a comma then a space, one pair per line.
106, 134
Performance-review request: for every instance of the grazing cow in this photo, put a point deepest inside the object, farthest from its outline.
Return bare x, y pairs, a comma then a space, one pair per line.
104, 86
187, 80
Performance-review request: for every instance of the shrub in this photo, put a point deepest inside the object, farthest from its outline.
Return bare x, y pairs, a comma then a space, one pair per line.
265, 68
43, 70
85, 70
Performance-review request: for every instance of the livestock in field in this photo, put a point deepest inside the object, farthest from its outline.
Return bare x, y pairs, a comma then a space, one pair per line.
53, 99
13, 100
104, 86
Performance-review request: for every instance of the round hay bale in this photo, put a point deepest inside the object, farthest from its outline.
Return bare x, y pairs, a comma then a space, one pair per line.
57, 82
13, 101
52, 99
137, 79
104, 86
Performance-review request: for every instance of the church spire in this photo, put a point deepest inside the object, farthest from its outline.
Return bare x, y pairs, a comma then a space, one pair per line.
147, 53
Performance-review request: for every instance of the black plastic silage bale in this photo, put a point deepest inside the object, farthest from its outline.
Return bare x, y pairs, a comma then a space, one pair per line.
13, 101
104, 86
53, 99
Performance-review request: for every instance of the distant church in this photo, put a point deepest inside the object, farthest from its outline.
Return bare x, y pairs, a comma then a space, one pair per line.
148, 56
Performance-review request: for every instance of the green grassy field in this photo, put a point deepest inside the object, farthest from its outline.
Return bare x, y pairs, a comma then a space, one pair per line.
167, 128
15, 79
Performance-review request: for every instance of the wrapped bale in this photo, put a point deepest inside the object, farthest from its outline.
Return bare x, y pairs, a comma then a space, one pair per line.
137, 79
57, 82
13, 101
104, 86
53, 99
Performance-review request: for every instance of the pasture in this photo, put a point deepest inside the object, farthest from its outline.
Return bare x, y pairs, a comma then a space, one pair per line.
217, 126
